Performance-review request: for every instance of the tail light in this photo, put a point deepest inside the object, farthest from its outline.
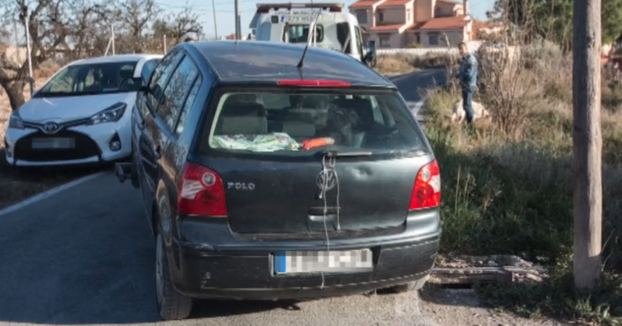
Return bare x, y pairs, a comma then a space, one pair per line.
201, 192
427, 189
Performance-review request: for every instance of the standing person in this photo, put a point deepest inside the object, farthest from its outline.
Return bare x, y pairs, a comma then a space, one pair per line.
468, 79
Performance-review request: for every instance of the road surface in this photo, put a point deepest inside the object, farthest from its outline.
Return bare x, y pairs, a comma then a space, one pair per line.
85, 256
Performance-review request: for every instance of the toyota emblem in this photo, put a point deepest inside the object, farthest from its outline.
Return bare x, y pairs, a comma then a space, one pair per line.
50, 127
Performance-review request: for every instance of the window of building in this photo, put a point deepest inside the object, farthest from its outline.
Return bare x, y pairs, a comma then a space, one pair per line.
361, 16
408, 15
380, 17
384, 40
433, 38
418, 38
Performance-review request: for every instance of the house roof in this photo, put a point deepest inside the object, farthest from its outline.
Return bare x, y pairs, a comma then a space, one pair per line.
450, 1
453, 22
394, 3
387, 27
478, 24
364, 3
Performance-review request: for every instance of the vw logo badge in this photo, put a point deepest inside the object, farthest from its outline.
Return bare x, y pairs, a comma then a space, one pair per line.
50, 127
326, 180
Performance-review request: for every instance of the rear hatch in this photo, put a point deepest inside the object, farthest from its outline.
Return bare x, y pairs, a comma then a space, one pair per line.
291, 159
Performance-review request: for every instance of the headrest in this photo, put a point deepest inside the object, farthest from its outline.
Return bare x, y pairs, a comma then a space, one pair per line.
238, 108
248, 125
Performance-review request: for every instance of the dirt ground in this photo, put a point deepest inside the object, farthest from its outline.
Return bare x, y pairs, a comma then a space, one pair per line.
461, 307
17, 185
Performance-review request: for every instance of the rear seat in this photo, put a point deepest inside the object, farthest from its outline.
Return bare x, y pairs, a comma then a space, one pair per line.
242, 118
298, 125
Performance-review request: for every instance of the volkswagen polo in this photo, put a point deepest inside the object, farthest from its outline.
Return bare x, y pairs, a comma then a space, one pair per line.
272, 171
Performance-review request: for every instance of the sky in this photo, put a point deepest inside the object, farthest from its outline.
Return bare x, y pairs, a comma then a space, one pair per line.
225, 11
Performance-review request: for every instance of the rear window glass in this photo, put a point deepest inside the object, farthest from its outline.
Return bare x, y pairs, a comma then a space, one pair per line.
304, 123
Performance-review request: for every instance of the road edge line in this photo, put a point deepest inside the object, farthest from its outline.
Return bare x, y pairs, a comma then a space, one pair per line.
415, 110
43, 195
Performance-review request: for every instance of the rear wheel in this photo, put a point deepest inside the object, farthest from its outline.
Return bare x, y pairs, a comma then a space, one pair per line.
411, 286
172, 305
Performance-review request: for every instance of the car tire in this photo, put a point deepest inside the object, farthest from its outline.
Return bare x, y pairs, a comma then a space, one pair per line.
410, 286
172, 305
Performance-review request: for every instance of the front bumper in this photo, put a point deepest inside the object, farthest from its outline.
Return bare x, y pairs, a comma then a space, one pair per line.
245, 271
93, 146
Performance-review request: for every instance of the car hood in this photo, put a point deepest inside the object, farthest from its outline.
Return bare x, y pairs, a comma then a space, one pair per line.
61, 109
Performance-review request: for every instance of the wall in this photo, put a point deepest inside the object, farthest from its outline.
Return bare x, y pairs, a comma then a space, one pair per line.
424, 10
454, 36
473, 46
444, 9
392, 16
396, 40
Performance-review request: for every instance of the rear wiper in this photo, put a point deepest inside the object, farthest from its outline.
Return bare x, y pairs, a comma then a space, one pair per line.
329, 154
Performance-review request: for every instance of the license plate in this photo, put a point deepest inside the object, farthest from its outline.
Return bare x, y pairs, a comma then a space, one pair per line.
53, 143
292, 262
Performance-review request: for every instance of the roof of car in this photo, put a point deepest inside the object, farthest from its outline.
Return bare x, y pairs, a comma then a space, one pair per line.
118, 58
256, 61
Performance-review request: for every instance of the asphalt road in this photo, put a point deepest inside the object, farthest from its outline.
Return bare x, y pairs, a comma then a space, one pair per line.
85, 256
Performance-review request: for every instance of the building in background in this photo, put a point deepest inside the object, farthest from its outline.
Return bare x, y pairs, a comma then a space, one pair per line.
426, 23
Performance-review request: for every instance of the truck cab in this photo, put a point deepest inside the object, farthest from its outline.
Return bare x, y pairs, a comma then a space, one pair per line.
290, 23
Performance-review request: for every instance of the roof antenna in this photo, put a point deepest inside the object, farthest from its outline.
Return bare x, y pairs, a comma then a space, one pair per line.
310, 38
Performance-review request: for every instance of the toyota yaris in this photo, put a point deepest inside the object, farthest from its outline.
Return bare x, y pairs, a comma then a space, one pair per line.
81, 115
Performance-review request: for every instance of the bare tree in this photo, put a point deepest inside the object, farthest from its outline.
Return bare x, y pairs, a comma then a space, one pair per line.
178, 27
136, 15
47, 26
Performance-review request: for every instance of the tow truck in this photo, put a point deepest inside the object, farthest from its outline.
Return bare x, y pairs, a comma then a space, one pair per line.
334, 29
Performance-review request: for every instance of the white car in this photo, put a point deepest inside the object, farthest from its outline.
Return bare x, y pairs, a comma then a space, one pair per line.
81, 115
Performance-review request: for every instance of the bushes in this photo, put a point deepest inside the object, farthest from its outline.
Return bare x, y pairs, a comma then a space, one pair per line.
402, 63
507, 187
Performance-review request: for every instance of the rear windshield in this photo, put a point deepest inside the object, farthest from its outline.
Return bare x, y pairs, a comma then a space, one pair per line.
304, 123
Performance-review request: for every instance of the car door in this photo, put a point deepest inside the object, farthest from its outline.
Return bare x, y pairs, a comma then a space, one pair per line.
165, 120
148, 147
179, 96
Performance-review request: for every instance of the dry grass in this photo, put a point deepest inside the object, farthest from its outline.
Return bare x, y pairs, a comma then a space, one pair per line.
404, 63
507, 184
17, 185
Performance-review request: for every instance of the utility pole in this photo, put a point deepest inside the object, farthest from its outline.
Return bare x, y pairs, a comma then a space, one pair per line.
112, 38
31, 80
164, 43
238, 32
215, 24
587, 144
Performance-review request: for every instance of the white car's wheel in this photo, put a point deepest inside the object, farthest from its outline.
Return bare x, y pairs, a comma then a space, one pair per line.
172, 305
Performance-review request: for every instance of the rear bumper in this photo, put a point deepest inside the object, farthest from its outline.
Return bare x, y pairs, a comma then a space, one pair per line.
243, 271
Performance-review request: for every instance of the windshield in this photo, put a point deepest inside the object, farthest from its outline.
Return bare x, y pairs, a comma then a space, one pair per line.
91, 79
300, 33
304, 123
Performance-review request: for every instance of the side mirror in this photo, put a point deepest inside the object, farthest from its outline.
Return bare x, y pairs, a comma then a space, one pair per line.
370, 55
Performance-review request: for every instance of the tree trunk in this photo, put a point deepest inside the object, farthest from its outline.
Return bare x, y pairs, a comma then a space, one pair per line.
587, 144
15, 92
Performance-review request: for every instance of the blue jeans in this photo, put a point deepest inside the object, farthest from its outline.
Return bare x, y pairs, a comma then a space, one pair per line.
467, 99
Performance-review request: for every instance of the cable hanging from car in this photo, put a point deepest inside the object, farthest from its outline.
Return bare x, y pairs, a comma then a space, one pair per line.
331, 166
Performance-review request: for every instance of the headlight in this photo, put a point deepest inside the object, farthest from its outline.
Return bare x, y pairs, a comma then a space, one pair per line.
111, 114
16, 122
